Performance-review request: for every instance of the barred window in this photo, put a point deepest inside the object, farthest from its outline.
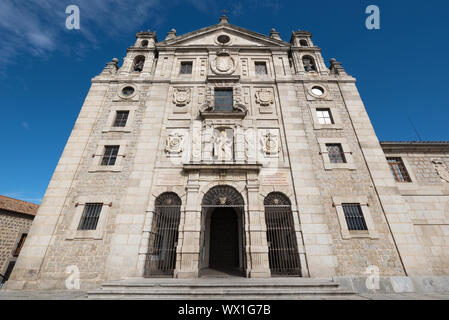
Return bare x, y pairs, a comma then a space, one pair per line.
354, 217
261, 68
110, 155
398, 169
336, 154
223, 100
121, 118
20, 245
324, 116
186, 67
91, 214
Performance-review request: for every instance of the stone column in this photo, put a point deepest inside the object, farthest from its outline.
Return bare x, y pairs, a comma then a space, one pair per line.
188, 266
256, 231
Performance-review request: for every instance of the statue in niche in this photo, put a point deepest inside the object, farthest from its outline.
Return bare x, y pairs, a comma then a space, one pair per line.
223, 145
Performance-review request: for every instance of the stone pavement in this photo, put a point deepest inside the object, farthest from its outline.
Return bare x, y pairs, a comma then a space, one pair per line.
82, 295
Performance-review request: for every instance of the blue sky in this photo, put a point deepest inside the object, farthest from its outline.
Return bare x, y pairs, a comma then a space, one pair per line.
45, 69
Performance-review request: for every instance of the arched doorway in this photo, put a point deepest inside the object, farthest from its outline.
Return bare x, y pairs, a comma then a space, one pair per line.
161, 258
222, 236
281, 237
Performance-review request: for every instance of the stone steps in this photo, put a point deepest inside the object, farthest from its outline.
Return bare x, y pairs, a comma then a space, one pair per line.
232, 288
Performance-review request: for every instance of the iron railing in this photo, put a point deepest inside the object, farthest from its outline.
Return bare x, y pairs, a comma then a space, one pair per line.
282, 245
163, 242
354, 217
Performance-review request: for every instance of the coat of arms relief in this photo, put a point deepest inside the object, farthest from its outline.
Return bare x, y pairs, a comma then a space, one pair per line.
174, 144
223, 64
442, 169
182, 96
264, 97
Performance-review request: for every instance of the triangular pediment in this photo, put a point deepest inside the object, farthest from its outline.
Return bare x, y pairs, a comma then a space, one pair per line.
238, 37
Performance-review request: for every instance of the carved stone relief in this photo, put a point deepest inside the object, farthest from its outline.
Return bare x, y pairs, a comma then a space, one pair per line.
174, 144
442, 169
223, 64
270, 142
182, 96
264, 97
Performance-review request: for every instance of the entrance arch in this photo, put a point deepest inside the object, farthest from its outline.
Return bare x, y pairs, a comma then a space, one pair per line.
222, 236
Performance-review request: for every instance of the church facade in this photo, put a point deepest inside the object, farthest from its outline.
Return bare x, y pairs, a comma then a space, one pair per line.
228, 152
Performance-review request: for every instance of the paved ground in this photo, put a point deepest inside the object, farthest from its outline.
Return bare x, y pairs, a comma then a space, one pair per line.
81, 295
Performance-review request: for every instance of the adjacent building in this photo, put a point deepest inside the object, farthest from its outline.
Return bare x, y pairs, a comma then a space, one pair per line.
226, 151
16, 217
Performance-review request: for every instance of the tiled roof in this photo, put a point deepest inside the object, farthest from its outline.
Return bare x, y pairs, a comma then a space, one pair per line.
19, 206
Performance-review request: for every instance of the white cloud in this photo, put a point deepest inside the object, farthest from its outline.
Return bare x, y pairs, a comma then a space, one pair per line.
37, 27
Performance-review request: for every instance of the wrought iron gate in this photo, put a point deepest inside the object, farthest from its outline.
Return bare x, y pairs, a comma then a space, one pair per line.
161, 258
282, 246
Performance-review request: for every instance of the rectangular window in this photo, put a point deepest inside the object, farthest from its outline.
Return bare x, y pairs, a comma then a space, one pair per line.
224, 100
20, 245
261, 68
110, 155
324, 116
121, 118
186, 67
336, 154
354, 217
91, 214
398, 169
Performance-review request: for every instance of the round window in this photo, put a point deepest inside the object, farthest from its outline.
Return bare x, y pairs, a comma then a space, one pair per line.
127, 91
223, 39
318, 91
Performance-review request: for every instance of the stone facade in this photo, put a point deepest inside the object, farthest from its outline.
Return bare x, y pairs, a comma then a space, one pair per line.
16, 218
427, 197
178, 140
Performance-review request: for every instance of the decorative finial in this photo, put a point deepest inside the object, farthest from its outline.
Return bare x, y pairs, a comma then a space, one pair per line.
171, 34
224, 17
274, 34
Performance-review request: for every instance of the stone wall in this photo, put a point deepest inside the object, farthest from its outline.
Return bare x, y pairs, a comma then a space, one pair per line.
12, 226
427, 197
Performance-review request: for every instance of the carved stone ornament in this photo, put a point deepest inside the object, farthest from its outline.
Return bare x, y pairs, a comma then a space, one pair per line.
174, 143
442, 169
264, 97
270, 144
182, 96
223, 64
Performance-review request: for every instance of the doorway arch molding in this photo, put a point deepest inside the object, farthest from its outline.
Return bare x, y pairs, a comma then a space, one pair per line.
222, 196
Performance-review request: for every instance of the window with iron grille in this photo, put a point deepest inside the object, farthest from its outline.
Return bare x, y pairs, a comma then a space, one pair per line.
398, 169
186, 67
20, 244
336, 154
110, 155
324, 116
91, 214
354, 217
121, 118
261, 68
223, 100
